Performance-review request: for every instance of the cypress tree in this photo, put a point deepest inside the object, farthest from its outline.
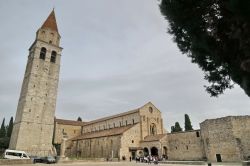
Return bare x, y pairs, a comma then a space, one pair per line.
188, 125
10, 127
177, 127
3, 129
79, 119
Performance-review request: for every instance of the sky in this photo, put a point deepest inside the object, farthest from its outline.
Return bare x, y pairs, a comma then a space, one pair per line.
117, 57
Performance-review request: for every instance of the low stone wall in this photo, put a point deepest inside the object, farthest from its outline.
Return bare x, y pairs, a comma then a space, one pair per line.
185, 146
15, 161
184, 162
246, 163
75, 160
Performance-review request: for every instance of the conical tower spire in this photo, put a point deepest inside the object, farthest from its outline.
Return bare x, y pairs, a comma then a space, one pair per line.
50, 22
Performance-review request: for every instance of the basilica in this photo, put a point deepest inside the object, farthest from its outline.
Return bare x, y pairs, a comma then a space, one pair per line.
134, 133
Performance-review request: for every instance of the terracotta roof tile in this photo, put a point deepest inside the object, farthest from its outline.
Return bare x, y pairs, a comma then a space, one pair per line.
69, 122
50, 22
103, 133
113, 116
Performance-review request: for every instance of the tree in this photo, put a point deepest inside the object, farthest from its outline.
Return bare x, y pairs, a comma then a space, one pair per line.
4, 142
176, 127
188, 125
172, 129
79, 119
10, 127
215, 35
3, 129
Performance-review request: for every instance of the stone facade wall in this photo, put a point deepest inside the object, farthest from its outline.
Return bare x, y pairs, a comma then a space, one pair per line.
70, 131
185, 146
150, 115
227, 137
15, 162
102, 147
241, 131
130, 139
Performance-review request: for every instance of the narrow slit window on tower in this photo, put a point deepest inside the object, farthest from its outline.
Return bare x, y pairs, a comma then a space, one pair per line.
53, 57
43, 53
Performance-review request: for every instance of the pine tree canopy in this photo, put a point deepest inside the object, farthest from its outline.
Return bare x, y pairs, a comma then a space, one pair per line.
215, 35
188, 125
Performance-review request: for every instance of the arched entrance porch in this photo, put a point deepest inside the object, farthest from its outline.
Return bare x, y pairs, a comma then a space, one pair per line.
154, 151
145, 151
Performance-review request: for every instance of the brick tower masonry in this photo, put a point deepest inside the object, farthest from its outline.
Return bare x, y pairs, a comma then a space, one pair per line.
34, 122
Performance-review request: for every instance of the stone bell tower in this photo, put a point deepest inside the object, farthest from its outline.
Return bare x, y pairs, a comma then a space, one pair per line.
34, 122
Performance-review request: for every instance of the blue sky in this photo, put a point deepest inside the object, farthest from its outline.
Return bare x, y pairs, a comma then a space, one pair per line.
117, 56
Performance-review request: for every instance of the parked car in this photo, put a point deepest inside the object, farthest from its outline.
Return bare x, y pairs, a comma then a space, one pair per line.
15, 154
36, 159
48, 159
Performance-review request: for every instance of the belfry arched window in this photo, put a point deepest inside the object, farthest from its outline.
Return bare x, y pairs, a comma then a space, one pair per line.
43, 53
53, 57
153, 130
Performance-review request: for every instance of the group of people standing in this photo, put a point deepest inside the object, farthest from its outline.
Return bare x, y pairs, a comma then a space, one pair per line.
147, 159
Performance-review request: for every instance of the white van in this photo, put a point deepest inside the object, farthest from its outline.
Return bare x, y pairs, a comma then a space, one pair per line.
15, 154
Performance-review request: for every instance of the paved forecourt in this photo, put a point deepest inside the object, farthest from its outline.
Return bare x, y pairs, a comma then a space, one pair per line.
122, 164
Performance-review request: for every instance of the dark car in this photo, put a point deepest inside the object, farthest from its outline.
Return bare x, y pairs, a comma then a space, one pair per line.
36, 159
48, 159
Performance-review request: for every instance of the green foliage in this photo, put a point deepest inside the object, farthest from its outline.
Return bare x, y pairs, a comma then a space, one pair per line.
10, 127
5, 133
79, 119
215, 35
4, 142
3, 129
188, 125
172, 129
176, 127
